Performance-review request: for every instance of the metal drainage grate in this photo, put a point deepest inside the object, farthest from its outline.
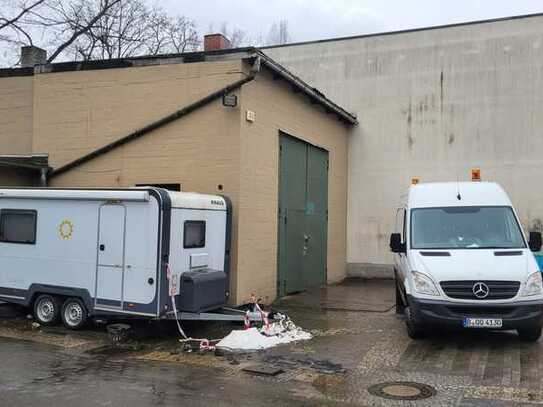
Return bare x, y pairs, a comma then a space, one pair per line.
402, 390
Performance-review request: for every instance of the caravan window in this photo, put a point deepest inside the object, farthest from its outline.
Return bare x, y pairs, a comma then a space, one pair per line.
194, 234
18, 226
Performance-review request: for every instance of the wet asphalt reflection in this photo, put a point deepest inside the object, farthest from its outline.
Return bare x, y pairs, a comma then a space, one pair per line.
358, 342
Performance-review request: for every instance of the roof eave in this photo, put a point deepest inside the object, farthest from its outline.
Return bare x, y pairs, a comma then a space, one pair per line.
312, 93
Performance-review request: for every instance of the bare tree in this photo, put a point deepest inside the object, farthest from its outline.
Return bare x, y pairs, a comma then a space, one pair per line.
95, 29
121, 33
182, 35
279, 33
131, 28
73, 18
236, 36
13, 17
21, 10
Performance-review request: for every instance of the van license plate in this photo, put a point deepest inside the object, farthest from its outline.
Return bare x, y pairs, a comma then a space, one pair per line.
482, 323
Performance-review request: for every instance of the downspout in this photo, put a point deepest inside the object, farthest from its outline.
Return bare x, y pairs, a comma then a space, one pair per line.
255, 68
43, 177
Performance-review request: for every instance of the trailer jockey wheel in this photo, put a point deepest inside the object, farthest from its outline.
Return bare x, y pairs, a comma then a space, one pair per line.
47, 309
74, 314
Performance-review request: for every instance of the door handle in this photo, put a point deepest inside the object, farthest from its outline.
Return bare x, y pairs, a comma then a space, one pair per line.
102, 247
307, 237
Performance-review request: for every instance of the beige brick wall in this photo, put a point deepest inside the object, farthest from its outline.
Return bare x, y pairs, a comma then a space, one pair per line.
278, 108
16, 115
77, 112
199, 151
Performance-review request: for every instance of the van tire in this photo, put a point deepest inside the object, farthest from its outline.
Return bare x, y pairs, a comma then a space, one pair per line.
531, 334
74, 313
47, 309
414, 330
400, 306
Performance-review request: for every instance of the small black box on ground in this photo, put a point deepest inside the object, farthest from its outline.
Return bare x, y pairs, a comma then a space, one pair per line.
201, 291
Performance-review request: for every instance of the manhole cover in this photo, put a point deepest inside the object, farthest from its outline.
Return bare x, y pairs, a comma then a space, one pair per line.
402, 390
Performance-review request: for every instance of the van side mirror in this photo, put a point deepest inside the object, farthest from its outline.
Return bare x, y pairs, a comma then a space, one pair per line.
535, 241
396, 245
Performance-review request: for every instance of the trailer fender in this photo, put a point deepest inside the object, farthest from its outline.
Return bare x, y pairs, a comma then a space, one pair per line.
82, 293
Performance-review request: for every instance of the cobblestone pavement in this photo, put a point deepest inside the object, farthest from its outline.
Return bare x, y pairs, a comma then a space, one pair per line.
358, 342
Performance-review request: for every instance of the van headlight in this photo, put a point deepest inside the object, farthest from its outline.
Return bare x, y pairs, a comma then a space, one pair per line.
424, 284
534, 284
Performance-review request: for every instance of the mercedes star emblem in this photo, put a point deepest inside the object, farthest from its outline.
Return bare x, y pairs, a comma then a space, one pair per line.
480, 290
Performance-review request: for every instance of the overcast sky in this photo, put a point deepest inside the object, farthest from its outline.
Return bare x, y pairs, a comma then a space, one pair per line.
317, 19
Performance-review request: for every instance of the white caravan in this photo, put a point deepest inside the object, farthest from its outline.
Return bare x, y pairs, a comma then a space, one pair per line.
74, 253
463, 261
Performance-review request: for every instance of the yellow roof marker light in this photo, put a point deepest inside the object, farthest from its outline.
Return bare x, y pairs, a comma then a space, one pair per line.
415, 180
476, 174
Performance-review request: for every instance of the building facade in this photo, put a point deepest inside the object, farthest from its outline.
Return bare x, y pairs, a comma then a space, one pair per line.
433, 103
166, 121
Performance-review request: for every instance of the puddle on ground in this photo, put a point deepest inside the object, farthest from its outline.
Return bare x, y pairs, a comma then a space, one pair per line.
290, 362
109, 350
330, 384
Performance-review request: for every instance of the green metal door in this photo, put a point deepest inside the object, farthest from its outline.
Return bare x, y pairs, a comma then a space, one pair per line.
303, 212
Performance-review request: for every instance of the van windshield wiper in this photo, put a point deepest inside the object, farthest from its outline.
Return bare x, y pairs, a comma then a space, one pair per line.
501, 247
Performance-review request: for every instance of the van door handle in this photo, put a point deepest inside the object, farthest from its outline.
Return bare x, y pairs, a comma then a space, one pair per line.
102, 247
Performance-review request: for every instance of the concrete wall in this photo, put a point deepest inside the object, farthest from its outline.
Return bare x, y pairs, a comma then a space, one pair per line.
16, 115
277, 108
433, 104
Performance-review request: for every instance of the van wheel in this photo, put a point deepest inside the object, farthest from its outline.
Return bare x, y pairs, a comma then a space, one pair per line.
531, 334
47, 309
414, 330
400, 307
74, 314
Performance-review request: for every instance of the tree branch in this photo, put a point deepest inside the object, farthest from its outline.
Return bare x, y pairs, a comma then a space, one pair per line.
24, 11
83, 30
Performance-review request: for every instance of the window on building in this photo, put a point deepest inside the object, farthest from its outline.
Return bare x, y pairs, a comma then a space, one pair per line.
18, 226
194, 234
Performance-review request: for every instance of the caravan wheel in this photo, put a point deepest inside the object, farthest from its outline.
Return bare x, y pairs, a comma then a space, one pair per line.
47, 309
74, 314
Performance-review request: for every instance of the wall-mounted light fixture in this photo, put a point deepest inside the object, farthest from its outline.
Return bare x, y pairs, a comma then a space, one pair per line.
229, 100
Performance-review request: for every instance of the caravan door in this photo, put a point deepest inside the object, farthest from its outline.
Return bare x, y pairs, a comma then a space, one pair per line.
111, 254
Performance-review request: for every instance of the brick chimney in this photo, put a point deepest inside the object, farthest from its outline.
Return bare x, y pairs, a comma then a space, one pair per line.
213, 42
32, 55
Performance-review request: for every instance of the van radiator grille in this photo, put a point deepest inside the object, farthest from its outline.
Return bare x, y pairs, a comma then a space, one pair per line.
498, 290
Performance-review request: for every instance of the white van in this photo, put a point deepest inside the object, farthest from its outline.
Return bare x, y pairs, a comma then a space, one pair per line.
463, 261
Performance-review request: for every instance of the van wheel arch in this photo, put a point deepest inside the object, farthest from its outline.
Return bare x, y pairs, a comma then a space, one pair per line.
401, 301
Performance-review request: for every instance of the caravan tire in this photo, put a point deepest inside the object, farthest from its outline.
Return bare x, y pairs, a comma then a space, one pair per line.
47, 309
74, 313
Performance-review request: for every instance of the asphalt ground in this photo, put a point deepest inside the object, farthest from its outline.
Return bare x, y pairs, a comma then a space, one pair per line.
358, 342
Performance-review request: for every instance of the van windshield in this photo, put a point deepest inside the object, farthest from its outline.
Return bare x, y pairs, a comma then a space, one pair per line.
467, 227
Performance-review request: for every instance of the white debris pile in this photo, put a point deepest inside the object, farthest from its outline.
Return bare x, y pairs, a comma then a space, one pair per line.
268, 336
